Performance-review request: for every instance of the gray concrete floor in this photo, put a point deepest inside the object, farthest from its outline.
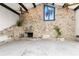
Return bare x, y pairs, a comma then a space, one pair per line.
40, 48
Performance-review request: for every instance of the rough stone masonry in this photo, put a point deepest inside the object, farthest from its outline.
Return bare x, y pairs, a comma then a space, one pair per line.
64, 19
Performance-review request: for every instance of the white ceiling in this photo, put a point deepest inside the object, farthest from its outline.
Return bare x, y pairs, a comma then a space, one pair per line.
16, 6
28, 5
37, 3
74, 6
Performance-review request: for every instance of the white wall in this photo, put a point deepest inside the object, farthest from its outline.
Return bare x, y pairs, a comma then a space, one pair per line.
77, 21
7, 18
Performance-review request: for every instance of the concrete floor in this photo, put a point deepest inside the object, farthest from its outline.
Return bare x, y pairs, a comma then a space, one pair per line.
40, 48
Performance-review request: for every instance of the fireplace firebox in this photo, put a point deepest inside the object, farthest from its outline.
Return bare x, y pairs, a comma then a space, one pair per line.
29, 34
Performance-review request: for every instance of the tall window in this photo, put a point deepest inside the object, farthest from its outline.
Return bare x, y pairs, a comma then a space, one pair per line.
49, 12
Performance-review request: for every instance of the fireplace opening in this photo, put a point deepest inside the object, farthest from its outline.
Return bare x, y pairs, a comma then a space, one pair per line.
30, 34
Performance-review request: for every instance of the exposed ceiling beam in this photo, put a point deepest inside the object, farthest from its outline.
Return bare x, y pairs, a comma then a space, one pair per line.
34, 5
76, 8
53, 3
23, 7
7, 7
65, 5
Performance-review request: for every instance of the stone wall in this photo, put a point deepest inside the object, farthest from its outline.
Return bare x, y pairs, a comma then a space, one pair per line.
64, 19
34, 22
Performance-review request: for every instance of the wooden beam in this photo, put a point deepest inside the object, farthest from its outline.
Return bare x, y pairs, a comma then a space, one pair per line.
65, 5
34, 5
53, 3
7, 7
23, 7
77, 36
76, 8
